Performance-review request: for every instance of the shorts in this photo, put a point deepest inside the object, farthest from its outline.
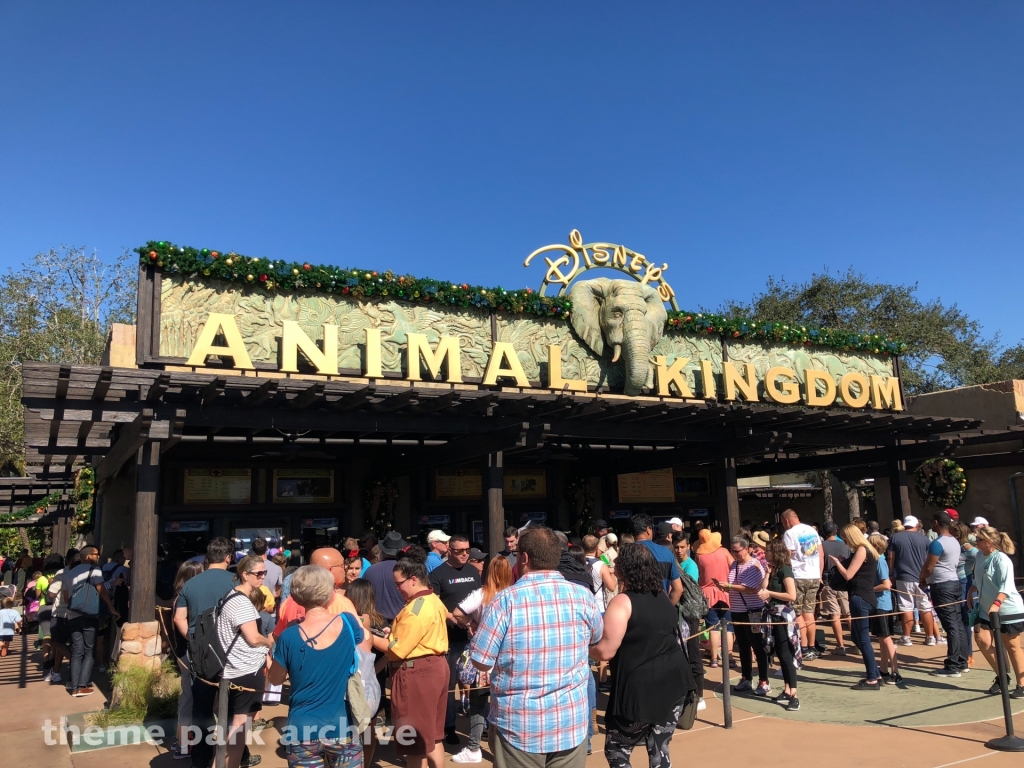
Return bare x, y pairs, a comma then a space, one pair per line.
247, 702
328, 753
880, 625
834, 603
909, 595
1011, 628
719, 612
419, 698
806, 595
59, 630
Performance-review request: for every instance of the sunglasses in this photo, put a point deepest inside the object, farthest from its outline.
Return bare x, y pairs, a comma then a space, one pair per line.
258, 574
400, 583
459, 551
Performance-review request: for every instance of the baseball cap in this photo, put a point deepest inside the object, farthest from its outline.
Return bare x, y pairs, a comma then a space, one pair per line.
600, 524
675, 521
953, 514
979, 522
910, 522
476, 554
665, 529
437, 535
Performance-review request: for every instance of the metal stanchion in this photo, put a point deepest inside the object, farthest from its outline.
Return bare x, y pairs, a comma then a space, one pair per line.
1009, 742
222, 722
726, 690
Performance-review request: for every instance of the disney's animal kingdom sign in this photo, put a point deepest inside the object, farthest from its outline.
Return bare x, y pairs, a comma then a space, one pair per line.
613, 338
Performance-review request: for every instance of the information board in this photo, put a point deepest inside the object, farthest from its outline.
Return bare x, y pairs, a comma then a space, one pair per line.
526, 484
304, 486
654, 486
458, 484
218, 486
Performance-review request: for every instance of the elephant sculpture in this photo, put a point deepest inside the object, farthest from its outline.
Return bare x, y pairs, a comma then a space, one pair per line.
625, 315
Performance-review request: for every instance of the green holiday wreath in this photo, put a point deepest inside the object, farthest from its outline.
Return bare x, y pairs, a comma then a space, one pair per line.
941, 483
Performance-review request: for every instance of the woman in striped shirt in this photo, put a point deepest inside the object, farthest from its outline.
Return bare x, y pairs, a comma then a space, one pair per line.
747, 577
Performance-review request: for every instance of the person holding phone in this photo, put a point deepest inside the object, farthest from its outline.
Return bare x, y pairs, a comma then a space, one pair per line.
747, 578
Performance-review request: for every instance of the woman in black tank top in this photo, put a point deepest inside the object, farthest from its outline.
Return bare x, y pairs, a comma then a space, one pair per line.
650, 673
859, 570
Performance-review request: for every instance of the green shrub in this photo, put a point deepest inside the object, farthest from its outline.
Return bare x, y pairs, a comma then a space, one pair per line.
139, 694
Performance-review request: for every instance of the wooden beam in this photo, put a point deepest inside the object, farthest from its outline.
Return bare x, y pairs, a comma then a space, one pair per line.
435, 404
473, 447
354, 399
728, 501
261, 394
99, 392
839, 459
212, 391
133, 437
157, 388
395, 402
306, 397
147, 488
63, 381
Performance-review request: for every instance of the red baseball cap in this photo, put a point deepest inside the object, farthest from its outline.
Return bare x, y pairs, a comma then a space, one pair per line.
953, 513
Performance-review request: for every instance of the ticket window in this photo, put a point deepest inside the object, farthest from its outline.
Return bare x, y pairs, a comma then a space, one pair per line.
317, 533
428, 523
185, 539
244, 537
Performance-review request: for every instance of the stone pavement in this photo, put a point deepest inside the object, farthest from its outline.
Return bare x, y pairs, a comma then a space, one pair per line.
925, 723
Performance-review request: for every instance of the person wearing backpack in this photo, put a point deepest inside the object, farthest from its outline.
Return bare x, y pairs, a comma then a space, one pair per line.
83, 593
200, 595
693, 607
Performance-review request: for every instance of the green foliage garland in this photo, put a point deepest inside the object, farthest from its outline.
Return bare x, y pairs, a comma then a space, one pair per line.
35, 508
941, 483
285, 276
83, 497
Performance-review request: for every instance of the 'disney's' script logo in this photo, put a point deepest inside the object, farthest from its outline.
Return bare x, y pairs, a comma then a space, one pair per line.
577, 257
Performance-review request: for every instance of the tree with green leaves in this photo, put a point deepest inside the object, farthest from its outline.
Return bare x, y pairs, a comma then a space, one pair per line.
58, 309
945, 347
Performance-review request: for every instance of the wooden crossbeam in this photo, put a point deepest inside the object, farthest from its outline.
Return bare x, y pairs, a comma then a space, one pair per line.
436, 404
395, 402
212, 391
157, 388
354, 399
261, 394
306, 397
63, 381
99, 392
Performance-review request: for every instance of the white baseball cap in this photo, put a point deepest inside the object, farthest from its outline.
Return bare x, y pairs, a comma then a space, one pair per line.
979, 522
437, 535
675, 521
910, 522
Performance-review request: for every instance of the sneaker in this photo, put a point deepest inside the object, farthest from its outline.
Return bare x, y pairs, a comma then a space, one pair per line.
839, 650
995, 690
905, 640
917, 629
763, 688
811, 655
1018, 692
48, 677
701, 705
794, 704
944, 672
468, 755
253, 760
864, 685
930, 641
820, 650
743, 685
892, 678
782, 698
452, 738
942, 640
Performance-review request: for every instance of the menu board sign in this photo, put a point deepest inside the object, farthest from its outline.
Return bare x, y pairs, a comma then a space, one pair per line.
458, 484
218, 486
654, 486
304, 486
526, 484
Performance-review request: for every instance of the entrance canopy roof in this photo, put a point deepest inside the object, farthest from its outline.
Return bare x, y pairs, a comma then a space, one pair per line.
104, 414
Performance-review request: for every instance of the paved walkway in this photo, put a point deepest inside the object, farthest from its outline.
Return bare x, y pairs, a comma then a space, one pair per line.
926, 723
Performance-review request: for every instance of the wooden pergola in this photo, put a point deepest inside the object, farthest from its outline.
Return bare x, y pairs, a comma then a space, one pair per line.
114, 417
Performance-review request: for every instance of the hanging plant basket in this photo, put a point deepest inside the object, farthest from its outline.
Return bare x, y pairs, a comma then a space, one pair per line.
941, 483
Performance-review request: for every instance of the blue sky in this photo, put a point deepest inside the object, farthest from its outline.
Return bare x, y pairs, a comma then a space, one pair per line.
731, 140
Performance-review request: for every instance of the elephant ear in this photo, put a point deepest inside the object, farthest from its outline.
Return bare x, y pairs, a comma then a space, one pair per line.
587, 297
656, 314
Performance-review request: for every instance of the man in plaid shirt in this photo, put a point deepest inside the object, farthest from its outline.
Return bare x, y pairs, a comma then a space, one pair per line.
536, 636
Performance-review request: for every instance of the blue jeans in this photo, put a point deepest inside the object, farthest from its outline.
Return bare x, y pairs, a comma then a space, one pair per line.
83, 640
965, 613
859, 612
592, 701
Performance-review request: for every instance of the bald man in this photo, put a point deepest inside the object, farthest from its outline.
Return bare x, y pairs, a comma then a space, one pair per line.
331, 560
804, 547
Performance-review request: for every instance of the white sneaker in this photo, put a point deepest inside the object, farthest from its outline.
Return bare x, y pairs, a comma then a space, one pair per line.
53, 677
917, 629
48, 677
942, 641
701, 704
930, 641
468, 755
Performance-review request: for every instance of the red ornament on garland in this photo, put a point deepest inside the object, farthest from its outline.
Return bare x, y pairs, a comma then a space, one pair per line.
214, 254
306, 267
345, 289
152, 256
263, 278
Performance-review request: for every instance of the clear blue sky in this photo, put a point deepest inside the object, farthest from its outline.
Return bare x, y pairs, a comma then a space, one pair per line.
732, 140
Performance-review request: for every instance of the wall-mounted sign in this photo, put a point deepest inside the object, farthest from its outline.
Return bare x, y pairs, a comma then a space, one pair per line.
693, 484
478, 532
533, 517
320, 522
653, 486
218, 486
186, 526
304, 486
621, 514
526, 484
458, 484
700, 512
436, 521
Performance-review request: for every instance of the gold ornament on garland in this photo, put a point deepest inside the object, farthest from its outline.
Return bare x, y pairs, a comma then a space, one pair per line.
941, 483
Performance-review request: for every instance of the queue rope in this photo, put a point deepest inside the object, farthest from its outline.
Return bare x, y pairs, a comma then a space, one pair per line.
762, 623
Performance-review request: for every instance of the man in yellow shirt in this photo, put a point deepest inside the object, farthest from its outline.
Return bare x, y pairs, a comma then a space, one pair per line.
419, 671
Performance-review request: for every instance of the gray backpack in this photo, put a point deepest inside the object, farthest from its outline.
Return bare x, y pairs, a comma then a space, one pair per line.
692, 605
84, 598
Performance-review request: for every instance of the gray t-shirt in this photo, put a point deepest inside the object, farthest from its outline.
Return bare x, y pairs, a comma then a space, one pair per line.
909, 550
274, 577
947, 549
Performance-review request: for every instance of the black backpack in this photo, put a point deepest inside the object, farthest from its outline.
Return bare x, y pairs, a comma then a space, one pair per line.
205, 651
692, 605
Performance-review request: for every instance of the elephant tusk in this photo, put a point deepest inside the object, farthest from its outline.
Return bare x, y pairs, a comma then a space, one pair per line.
615, 352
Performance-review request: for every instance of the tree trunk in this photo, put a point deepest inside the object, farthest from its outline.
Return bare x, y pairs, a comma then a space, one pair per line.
25, 543
826, 491
852, 498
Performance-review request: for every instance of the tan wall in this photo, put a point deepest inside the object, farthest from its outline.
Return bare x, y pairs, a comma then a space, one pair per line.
998, 404
120, 350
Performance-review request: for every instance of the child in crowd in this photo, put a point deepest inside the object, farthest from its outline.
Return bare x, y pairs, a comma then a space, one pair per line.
10, 624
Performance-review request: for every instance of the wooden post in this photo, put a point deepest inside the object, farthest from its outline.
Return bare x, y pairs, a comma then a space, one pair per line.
495, 480
898, 488
728, 497
147, 486
62, 527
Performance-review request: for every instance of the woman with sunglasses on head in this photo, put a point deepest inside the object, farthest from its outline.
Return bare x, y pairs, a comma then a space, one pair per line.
859, 570
996, 592
246, 657
746, 579
784, 635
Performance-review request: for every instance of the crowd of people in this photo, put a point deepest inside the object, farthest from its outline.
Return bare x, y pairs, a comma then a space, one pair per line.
387, 632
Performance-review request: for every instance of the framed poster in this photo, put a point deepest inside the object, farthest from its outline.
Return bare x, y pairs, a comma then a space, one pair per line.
304, 486
218, 486
526, 484
458, 484
653, 486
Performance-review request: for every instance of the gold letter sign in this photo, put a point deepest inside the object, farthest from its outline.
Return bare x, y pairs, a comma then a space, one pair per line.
235, 347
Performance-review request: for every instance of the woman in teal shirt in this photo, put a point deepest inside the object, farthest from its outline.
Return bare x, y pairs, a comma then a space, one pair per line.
994, 591
880, 623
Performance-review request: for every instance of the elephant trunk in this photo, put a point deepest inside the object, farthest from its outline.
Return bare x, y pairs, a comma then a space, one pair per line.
636, 351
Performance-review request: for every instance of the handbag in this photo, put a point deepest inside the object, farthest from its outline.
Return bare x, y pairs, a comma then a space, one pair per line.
356, 690
689, 714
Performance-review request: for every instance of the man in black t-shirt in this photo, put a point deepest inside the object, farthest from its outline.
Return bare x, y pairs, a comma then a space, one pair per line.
452, 582
835, 604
